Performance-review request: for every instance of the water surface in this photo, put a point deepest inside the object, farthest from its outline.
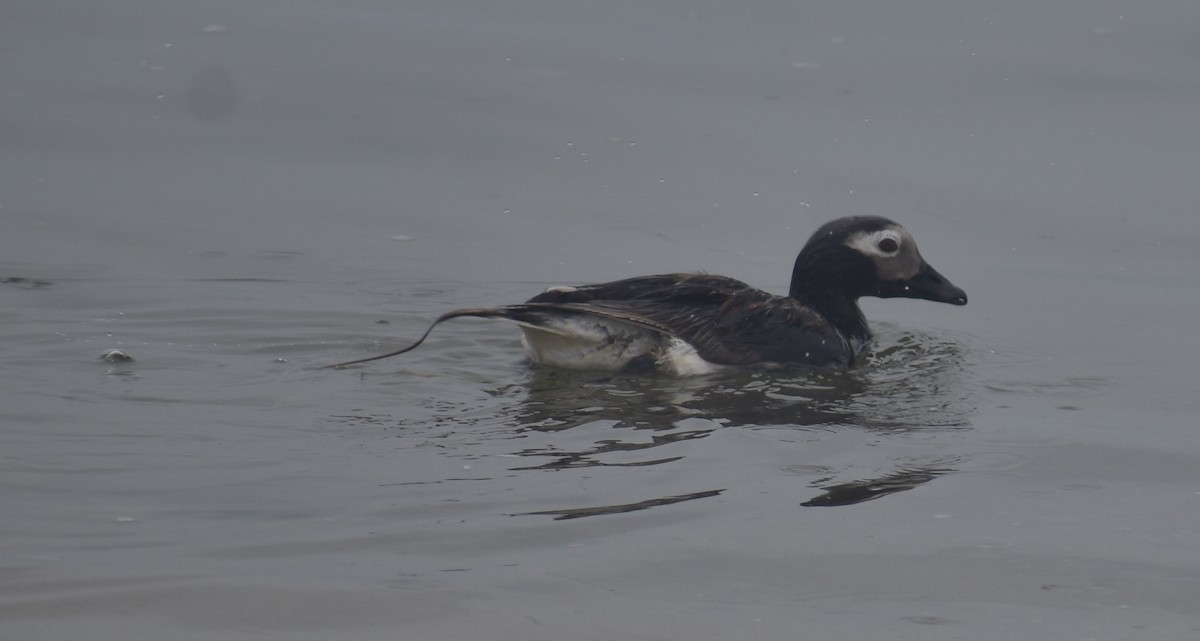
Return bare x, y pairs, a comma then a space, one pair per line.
237, 194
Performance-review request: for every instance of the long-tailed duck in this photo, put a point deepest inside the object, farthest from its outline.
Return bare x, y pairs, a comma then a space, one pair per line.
697, 323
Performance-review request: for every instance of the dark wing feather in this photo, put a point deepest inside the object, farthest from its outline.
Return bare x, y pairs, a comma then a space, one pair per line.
695, 289
726, 320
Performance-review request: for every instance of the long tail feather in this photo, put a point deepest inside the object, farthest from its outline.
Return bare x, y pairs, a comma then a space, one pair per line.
481, 312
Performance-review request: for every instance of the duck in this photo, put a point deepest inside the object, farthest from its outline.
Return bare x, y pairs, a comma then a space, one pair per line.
697, 323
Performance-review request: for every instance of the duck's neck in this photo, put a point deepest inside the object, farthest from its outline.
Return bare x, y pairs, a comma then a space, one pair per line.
835, 300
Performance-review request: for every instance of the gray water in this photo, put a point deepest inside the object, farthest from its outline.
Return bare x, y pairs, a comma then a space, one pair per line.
237, 193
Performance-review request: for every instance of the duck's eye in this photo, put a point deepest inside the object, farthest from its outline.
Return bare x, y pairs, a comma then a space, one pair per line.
888, 245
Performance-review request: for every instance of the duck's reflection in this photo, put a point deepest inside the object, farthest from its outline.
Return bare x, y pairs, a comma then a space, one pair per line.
869, 489
580, 512
910, 383
590, 458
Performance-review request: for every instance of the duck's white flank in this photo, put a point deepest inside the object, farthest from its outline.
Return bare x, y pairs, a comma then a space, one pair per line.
595, 343
682, 359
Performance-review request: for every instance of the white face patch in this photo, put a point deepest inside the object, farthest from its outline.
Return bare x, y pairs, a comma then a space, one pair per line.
884, 243
892, 249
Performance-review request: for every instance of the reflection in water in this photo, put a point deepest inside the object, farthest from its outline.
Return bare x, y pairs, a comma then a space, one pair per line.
563, 460
580, 512
911, 382
867, 489
24, 283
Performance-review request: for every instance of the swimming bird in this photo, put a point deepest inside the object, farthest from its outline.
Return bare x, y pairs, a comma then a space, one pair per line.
696, 323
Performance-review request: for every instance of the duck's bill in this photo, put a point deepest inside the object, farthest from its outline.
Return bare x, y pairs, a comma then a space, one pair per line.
928, 284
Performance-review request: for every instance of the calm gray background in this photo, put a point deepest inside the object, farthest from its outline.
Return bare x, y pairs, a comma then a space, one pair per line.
235, 193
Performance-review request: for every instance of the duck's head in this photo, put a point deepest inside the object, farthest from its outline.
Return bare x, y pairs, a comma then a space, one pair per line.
868, 256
